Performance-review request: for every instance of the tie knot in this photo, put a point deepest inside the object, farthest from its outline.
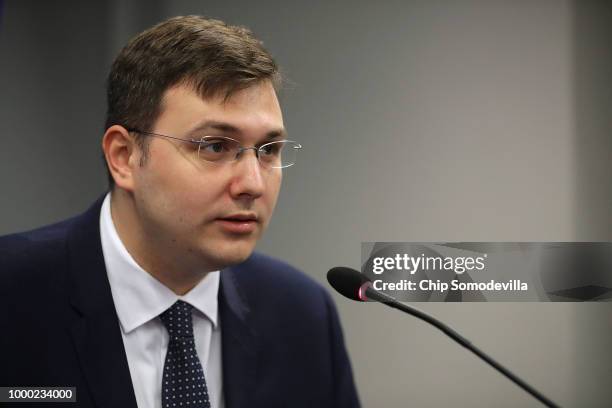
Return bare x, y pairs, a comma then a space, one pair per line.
177, 319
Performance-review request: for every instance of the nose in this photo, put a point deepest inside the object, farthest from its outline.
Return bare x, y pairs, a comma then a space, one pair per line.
248, 181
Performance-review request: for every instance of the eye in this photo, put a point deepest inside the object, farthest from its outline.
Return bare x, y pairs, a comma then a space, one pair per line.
271, 149
218, 149
215, 146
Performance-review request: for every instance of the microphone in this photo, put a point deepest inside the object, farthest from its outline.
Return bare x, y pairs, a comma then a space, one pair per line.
355, 286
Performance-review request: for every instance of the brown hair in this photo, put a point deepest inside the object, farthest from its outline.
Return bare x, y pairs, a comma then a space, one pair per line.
215, 58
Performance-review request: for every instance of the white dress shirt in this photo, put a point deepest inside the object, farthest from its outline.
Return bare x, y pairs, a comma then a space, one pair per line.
139, 300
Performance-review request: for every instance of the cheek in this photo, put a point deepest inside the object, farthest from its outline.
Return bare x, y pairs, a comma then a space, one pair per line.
273, 189
194, 200
181, 196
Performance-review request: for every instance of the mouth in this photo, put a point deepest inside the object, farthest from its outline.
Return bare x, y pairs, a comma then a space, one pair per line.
242, 223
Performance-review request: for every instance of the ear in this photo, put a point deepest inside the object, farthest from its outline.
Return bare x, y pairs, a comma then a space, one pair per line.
122, 156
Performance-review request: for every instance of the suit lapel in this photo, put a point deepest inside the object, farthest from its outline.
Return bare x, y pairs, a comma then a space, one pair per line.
96, 334
238, 343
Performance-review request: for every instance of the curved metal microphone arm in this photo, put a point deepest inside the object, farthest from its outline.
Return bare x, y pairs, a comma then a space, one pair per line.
373, 294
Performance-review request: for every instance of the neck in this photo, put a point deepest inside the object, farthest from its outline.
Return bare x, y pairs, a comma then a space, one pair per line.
153, 254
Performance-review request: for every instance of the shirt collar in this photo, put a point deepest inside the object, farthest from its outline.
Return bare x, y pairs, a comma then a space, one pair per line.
137, 295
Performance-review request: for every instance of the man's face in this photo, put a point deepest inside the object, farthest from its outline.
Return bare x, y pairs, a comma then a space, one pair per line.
191, 207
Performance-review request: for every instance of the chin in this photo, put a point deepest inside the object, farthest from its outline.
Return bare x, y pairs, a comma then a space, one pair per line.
231, 255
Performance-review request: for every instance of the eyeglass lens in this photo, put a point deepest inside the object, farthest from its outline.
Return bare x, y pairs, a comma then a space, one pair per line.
276, 154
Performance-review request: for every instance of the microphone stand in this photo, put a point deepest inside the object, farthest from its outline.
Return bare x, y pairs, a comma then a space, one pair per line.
371, 293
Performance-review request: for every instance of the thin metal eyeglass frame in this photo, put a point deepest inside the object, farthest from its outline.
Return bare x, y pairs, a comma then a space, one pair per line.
296, 146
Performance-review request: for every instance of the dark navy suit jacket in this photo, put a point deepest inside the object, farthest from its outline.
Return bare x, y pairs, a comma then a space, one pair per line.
281, 339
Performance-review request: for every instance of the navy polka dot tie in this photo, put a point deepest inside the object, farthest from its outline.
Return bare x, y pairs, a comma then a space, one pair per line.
183, 383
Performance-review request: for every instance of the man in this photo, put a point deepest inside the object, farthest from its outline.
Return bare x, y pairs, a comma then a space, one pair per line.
152, 297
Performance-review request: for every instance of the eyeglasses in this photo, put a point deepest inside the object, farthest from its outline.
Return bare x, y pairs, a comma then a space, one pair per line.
277, 154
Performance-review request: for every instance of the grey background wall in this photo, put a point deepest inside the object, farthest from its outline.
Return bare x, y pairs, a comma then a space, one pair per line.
421, 120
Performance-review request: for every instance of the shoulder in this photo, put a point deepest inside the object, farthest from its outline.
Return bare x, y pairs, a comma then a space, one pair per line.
269, 274
275, 272
42, 248
16, 246
265, 280
27, 257
49, 232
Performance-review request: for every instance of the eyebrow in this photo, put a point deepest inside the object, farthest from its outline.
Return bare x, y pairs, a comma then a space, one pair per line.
229, 128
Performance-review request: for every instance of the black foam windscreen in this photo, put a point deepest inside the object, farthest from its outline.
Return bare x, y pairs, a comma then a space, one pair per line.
346, 281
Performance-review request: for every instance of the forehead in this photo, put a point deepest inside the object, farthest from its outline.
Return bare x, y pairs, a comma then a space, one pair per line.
252, 110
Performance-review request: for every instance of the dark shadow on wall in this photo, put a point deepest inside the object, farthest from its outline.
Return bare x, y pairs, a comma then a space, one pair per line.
593, 118
54, 60
593, 154
52, 79
128, 18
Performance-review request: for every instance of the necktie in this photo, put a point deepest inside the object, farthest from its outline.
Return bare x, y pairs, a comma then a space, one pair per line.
183, 383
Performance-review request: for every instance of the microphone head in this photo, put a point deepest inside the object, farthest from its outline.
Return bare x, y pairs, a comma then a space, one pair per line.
348, 282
